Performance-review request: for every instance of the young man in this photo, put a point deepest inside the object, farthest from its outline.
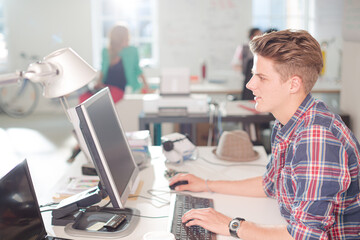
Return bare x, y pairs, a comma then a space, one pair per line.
314, 168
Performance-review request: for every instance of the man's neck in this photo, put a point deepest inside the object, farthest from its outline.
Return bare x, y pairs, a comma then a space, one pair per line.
289, 108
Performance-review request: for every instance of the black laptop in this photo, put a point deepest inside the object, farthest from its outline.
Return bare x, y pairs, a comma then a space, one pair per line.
20, 216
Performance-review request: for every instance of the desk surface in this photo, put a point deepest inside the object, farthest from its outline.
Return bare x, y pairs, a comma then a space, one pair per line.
259, 210
230, 112
242, 110
234, 85
208, 87
225, 86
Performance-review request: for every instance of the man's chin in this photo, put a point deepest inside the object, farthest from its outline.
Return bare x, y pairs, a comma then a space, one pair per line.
260, 108
257, 107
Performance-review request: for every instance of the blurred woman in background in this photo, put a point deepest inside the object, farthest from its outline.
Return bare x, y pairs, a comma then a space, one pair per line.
120, 66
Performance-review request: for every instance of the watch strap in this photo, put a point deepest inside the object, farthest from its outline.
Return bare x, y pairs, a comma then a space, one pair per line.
233, 232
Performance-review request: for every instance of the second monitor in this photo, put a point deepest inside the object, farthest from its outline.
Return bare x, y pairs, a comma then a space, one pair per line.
101, 135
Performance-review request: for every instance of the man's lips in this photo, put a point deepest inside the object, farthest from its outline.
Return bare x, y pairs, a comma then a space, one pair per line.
257, 98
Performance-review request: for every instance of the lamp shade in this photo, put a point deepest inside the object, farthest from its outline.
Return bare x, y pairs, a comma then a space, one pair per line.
61, 73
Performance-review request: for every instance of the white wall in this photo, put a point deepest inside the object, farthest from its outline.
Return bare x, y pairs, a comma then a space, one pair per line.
350, 95
188, 32
327, 20
39, 27
191, 31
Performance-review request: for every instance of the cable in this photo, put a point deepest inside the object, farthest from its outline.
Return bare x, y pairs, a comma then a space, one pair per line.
48, 204
96, 208
91, 208
151, 192
233, 164
138, 215
160, 200
155, 197
107, 204
47, 210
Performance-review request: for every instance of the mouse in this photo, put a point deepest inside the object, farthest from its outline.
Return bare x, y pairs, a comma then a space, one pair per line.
172, 187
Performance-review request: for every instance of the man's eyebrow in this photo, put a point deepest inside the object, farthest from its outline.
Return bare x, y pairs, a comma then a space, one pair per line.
258, 74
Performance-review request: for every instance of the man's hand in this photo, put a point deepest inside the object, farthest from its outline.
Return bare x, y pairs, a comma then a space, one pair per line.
195, 184
209, 219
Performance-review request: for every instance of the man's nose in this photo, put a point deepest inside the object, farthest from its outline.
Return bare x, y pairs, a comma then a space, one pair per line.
250, 84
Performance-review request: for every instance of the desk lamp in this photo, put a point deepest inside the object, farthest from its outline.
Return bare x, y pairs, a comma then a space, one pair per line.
60, 73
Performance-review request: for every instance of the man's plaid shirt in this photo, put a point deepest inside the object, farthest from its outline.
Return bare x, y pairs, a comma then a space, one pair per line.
314, 174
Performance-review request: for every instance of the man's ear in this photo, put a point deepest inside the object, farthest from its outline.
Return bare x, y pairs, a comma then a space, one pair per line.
296, 84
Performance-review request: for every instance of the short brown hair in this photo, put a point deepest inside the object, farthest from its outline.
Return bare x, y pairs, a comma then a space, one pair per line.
294, 52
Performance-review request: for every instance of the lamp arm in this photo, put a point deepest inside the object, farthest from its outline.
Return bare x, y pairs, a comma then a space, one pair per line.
39, 71
10, 78
60, 73
65, 106
31, 74
36, 72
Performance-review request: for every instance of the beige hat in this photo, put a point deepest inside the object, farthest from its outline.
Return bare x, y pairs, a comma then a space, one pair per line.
235, 146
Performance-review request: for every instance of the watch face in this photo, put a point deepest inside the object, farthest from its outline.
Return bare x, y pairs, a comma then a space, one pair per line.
234, 224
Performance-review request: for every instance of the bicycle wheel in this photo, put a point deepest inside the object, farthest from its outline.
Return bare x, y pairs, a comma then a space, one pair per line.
19, 100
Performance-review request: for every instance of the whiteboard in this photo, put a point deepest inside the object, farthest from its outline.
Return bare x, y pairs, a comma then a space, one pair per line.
192, 32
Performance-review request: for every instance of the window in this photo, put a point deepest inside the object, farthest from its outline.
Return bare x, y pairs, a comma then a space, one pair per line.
138, 15
281, 14
3, 46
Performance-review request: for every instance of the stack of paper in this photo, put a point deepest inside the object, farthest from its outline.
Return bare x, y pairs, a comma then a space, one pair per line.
139, 142
76, 185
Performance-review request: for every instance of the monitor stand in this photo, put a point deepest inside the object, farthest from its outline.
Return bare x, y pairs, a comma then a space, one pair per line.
91, 224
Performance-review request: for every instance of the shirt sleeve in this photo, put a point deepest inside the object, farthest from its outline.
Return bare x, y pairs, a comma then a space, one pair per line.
268, 179
269, 176
320, 178
138, 70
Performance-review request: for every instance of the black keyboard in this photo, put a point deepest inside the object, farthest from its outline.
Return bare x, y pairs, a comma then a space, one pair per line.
183, 203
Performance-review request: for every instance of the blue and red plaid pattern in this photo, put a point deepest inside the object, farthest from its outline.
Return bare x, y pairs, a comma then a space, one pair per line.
314, 174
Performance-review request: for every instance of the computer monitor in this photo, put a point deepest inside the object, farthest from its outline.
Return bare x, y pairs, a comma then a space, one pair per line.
101, 136
100, 132
18, 209
20, 216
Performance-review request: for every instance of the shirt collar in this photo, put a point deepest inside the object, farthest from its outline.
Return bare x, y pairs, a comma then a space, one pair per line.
285, 131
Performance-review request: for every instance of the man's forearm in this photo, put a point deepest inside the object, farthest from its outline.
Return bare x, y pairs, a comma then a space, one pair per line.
252, 231
251, 187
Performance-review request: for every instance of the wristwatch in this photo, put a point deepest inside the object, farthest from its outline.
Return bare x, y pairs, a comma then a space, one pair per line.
234, 225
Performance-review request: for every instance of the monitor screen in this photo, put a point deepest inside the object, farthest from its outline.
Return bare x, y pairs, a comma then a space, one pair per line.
100, 128
20, 217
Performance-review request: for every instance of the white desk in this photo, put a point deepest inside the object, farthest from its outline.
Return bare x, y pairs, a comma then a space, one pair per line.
227, 84
259, 210
233, 86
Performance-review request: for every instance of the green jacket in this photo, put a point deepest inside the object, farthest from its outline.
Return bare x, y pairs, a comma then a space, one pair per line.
130, 60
